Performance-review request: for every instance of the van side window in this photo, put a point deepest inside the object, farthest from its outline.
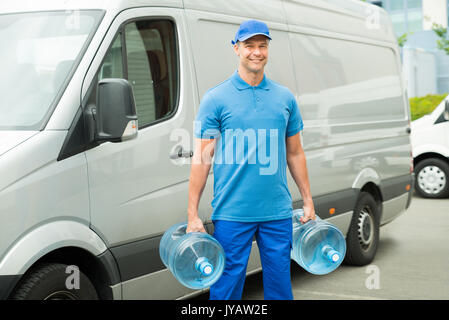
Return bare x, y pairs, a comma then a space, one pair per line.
144, 53
112, 66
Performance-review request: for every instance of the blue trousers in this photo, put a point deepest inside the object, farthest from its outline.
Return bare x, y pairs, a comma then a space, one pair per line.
274, 239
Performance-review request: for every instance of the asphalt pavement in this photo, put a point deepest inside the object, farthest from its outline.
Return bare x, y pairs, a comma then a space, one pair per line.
412, 262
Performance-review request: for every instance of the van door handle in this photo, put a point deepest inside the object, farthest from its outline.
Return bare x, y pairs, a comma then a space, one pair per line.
408, 130
181, 153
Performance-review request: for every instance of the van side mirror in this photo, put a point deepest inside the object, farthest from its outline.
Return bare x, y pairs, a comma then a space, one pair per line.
446, 110
115, 114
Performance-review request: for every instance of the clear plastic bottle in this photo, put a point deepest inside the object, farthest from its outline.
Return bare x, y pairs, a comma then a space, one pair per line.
196, 259
318, 246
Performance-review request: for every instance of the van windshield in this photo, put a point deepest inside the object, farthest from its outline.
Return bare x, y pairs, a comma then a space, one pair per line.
39, 51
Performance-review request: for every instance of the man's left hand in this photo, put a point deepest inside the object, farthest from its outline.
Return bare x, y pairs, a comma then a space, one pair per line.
309, 213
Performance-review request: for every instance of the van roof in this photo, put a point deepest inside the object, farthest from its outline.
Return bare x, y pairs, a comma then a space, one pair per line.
356, 7
69, 5
353, 17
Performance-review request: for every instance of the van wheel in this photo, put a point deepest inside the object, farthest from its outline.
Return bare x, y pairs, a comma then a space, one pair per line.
363, 235
47, 281
432, 178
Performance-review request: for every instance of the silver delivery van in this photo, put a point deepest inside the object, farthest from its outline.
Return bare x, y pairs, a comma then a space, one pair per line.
97, 106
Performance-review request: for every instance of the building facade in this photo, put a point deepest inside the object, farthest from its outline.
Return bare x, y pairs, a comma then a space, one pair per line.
426, 68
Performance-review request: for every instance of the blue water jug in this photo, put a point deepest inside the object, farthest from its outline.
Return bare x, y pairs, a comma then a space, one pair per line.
318, 246
196, 259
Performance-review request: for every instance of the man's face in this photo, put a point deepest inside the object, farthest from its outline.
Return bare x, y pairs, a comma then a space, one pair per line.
253, 53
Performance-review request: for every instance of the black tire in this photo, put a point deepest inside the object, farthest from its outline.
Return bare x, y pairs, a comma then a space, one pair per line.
363, 235
47, 281
432, 178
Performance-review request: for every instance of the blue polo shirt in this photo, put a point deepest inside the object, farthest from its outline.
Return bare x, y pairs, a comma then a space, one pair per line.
250, 164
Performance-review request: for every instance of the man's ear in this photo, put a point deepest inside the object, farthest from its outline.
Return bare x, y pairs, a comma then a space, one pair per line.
236, 49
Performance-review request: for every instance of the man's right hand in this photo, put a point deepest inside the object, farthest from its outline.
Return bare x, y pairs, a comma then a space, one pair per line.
195, 225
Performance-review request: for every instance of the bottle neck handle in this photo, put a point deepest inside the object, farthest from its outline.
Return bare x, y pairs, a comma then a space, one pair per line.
203, 265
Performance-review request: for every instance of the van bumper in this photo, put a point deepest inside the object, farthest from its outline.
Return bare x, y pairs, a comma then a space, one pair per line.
7, 285
410, 192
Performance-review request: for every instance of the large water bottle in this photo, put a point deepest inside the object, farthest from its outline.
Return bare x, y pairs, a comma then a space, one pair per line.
318, 246
196, 259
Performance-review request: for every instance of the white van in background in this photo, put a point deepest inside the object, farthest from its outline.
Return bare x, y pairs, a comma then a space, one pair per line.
96, 98
430, 145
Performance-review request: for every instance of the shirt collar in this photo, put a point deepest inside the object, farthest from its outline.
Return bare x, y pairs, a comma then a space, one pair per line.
240, 84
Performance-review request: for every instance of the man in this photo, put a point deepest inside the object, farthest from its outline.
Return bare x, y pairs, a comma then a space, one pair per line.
240, 121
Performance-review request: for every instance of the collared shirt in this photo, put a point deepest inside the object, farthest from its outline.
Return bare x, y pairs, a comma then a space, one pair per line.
251, 124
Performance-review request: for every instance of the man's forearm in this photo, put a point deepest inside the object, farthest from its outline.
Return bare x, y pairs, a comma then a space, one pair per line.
199, 171
198, 178
298, 168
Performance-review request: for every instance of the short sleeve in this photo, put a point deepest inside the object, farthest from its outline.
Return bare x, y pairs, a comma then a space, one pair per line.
207, 121
295, 123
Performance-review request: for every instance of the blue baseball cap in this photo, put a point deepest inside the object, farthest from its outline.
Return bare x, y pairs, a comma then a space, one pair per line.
249, 29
